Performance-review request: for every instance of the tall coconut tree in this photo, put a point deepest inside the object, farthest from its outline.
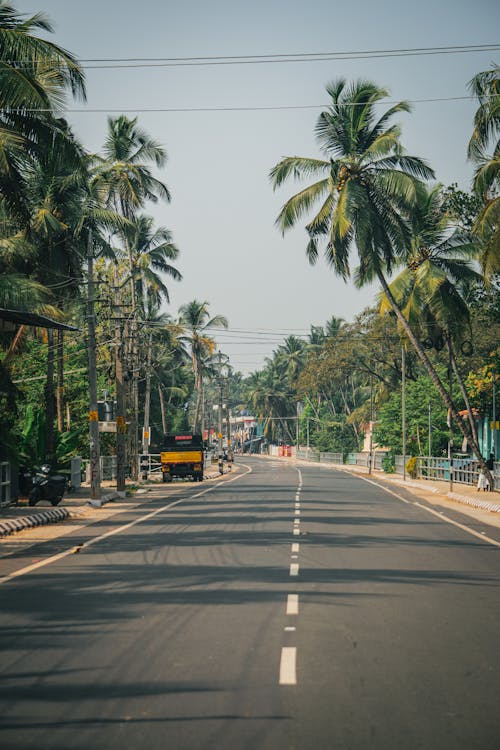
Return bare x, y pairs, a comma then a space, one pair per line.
197, 323
484, 152
35, 75
367, 190
123, 175
152, 251
430, 289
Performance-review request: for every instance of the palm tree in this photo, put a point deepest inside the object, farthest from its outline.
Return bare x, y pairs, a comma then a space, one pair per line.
124, 177
152, 251
35, 75
368, 189
486, 86
196, 320
290, 358
428, 291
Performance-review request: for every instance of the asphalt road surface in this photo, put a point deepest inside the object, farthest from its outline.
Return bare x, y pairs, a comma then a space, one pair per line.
284, 609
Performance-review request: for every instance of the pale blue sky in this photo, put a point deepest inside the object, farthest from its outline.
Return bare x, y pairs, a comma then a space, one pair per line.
223, 208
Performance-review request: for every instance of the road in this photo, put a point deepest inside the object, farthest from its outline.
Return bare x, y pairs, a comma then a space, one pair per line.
289, 608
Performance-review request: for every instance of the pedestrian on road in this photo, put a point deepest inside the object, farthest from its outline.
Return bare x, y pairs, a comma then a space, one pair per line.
482, 482
490, 463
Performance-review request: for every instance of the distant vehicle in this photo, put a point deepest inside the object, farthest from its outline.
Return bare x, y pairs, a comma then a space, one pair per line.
182, 456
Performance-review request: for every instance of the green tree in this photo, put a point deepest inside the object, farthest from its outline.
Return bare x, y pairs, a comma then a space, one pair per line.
35, 75
195, 319
484, 152
369, 189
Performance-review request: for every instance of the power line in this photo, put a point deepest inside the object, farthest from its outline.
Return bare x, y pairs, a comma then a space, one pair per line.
270, 108
273, 58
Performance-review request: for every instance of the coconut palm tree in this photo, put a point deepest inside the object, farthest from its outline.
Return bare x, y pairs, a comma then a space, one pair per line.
196, 321
124, 177
368, 188
486, 86
439, 268
35, 75
152, 251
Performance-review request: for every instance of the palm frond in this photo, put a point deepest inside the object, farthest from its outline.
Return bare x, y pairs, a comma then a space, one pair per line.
298, 204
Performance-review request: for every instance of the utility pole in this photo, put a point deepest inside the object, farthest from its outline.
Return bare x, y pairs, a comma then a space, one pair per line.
403, 406
450, 386
95, 468
147, 396
221, 453
430, 431
121, 422
228, 427
371, 426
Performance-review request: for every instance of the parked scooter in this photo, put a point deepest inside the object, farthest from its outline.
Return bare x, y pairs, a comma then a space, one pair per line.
42, 485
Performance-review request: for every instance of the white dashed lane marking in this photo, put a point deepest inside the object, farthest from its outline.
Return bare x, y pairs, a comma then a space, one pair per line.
288, 666
294, 569
292, 604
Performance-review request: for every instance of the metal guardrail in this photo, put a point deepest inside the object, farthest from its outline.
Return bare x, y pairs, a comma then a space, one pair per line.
5, 485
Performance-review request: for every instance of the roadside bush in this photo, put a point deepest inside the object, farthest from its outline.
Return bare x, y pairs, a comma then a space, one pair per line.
388, 464
411, 467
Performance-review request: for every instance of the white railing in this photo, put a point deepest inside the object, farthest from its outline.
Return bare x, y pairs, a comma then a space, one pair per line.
150, 464
464, 470
5, 486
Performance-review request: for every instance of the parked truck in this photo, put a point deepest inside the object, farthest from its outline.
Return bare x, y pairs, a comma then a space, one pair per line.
182, 456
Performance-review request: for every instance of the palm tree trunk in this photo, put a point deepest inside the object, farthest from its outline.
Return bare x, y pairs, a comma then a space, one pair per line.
197, 406
60, 381
463, 390
162, 409
15, 344
446, 397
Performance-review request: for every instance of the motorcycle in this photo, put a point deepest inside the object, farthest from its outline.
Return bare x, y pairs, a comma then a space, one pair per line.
42, 485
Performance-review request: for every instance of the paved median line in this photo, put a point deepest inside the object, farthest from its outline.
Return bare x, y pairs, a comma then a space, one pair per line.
292, 604
288, 666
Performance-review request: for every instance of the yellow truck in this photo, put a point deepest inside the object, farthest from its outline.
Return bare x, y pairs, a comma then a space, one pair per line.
182, 456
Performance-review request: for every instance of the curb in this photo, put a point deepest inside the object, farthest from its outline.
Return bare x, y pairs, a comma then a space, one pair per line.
37, 519
475, 502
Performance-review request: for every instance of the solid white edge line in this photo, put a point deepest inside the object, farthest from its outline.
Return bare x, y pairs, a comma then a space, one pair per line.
288, 666
438, 514
117, 530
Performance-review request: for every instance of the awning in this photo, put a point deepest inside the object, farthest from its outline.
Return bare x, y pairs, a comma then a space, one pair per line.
19, 317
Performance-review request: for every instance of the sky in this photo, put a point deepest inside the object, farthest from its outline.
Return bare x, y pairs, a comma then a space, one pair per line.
223, 206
